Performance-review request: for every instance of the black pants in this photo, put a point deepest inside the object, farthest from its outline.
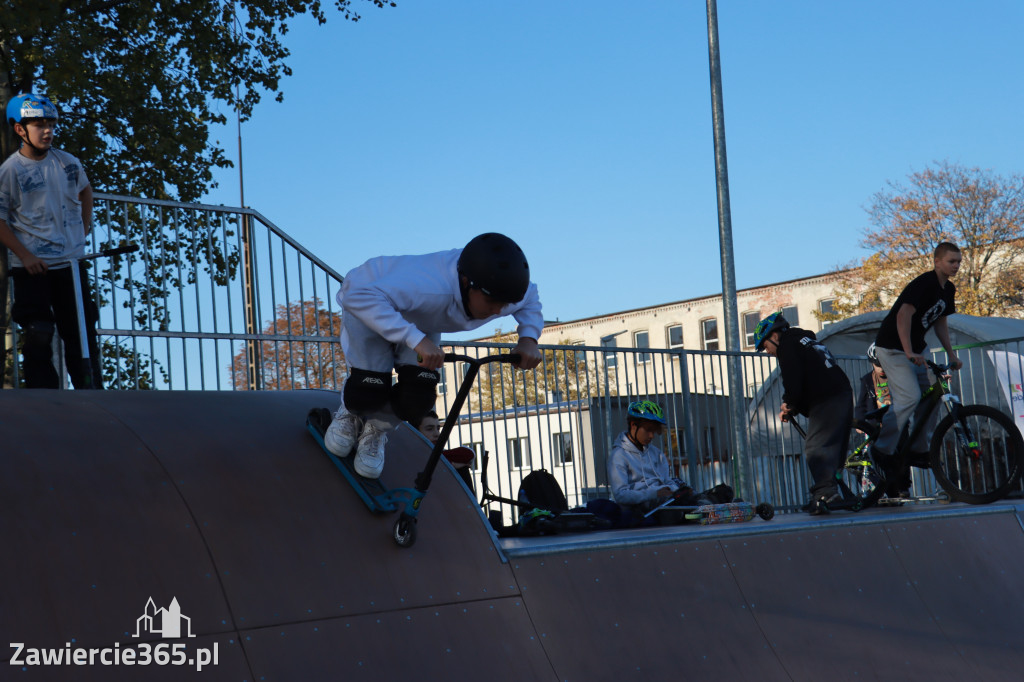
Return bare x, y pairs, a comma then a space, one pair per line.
828, 434
44, 303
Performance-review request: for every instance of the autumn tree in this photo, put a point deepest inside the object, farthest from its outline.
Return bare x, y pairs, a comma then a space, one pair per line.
564, 374
140, 85
300, 349
981, 212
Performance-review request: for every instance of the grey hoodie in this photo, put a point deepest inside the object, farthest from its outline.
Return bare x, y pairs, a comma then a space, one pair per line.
636, 475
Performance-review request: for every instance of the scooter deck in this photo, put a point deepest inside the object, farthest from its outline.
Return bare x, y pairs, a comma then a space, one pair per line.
371, 491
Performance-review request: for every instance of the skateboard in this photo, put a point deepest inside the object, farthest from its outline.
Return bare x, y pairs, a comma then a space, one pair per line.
732, 512
709, 514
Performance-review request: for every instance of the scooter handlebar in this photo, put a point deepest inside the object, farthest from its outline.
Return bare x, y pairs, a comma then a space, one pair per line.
106, 253
512, 358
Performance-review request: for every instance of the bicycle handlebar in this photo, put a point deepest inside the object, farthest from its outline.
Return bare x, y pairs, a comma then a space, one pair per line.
939, 369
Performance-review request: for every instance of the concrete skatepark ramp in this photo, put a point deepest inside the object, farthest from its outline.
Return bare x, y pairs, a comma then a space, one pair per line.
129, 514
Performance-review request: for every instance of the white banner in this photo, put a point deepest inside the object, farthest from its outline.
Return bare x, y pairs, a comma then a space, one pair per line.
1010, 370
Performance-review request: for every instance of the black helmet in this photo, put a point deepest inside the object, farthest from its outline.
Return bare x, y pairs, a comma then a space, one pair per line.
496, 265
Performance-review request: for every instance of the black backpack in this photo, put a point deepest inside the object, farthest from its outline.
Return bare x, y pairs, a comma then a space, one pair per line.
541, 490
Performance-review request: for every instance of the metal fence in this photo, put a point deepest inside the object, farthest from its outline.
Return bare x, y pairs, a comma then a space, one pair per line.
564, 416
216, 298
220, 298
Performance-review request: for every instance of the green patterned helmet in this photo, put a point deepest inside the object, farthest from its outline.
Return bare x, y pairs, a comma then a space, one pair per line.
764, 329
646, 409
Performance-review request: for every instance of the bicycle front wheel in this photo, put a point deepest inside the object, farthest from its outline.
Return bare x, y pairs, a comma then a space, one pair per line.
978, 456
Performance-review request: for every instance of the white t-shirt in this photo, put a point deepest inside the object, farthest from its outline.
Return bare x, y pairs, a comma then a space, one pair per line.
39, 200
404, 298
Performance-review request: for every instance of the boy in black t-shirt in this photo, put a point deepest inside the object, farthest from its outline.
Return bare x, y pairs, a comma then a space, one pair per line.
924, 303
813, 384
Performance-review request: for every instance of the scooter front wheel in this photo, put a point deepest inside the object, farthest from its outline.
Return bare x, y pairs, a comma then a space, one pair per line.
404, 531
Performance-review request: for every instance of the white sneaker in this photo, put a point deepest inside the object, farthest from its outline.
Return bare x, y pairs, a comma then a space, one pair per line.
369, 460
342, 434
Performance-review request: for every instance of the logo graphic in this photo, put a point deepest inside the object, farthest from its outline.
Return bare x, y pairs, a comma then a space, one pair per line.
164, 622
168, 623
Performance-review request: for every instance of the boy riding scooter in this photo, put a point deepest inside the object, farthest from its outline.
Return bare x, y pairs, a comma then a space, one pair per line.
815, 386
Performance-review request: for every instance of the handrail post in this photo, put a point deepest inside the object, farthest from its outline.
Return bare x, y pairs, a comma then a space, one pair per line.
253, 361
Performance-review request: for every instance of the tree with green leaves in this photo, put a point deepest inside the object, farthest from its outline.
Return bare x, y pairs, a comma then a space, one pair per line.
976, 209
140, 84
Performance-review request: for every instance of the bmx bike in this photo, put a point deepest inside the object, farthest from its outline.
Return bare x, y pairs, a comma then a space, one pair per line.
976, 453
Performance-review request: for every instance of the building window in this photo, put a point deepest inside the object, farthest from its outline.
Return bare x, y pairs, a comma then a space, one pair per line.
561, 447
750, 321
792, 315
610, 357
709, 334
478, 449
676, 446
580, 355
642, 340
463, 369
710, 444
442, 384
826, 307
517, 453
674, 336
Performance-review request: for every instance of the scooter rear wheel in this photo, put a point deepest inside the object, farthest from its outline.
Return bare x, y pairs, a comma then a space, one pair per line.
404, 531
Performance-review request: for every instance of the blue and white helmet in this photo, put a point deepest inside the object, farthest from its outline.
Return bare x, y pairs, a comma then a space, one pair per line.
30, 106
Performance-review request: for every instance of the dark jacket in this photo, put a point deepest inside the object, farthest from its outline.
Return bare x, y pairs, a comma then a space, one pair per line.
810, 373
867, 396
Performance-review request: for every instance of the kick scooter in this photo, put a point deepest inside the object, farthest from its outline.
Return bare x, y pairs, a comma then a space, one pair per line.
378, 497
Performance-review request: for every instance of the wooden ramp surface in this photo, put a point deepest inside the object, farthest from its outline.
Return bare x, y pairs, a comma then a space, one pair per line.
224, 503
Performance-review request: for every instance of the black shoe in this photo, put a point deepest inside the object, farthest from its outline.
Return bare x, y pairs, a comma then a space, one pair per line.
819, 505
921, 460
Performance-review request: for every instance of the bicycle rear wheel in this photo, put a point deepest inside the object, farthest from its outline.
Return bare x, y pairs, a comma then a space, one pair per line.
977, 457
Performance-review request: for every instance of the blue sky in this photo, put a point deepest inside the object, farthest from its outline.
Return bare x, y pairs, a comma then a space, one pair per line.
583, 130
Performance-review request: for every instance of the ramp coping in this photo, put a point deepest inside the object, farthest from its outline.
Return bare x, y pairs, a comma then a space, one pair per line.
786, 523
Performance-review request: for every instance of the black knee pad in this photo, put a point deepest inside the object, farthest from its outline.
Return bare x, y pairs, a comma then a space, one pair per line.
366, 390
39, 334
415, 393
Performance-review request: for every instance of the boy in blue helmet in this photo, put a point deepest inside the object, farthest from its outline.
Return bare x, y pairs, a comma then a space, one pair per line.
813, 385
394, 310
638, 471
45, 215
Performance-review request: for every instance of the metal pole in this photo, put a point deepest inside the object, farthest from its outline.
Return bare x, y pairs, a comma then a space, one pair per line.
253, 361
734, 365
